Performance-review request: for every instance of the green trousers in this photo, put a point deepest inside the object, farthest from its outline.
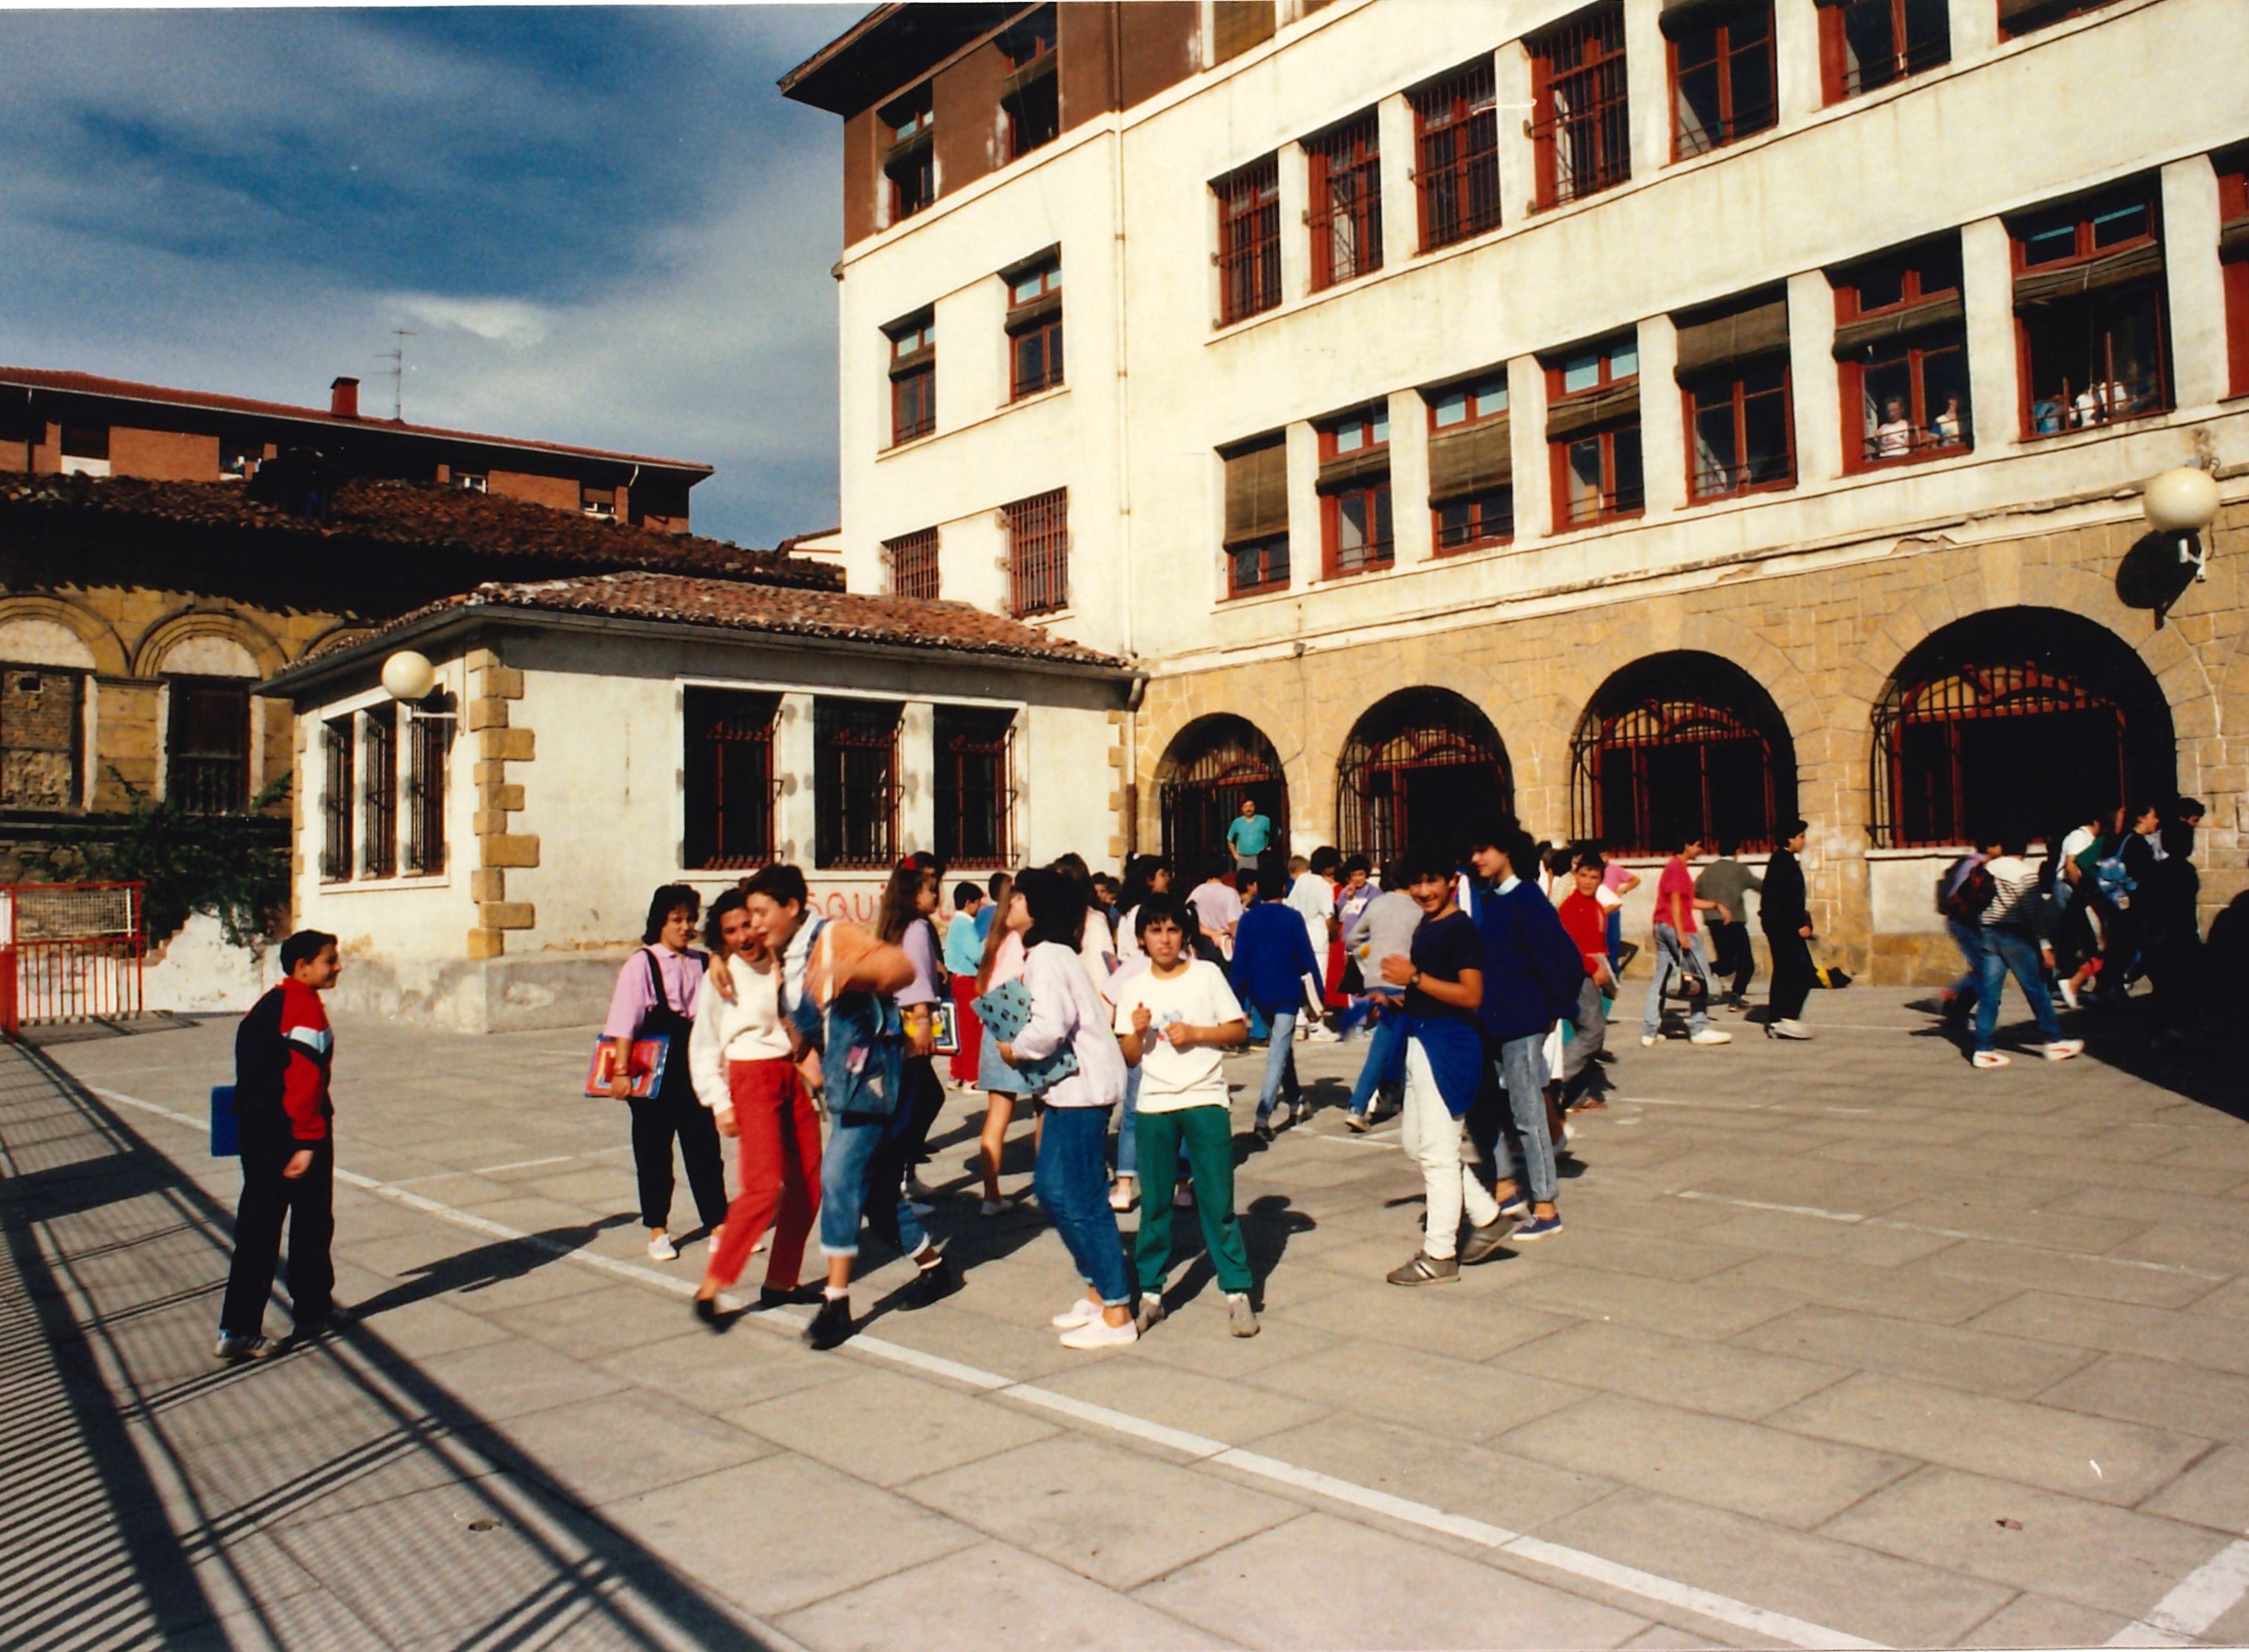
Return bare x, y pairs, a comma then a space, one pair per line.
1208, 1135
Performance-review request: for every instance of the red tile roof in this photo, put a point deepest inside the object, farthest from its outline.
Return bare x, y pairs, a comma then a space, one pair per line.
92, 384
788, 611
386, 517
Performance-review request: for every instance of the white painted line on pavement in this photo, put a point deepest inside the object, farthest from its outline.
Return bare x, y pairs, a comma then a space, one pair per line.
525, 1164
1760, 1204
2205, 1595
1555, 1555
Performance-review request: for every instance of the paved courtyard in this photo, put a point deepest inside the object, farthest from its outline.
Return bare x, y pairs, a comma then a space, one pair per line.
1845, 1344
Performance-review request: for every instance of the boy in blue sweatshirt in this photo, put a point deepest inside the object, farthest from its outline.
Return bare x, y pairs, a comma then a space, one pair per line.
1272, 955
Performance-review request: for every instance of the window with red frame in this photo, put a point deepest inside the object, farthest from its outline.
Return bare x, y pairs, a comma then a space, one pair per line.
1456, 156
1030, 96
910, 164
1582, 125
1471, 465
1035, 329
1354, 487
1593, 433
913, 378
1902, 356
913, 565
2090, 314
1038, 553
1257, 516
1249, 240
2233, 250
727, 779
1346, 212
975, 793
855, 778
1865, 45
1732, 368
1722, 73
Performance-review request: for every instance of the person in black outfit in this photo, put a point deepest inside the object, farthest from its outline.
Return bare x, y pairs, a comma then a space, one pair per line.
1786, 919
284, 1116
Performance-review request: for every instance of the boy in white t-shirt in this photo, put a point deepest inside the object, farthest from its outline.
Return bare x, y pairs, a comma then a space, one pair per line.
1175, 1020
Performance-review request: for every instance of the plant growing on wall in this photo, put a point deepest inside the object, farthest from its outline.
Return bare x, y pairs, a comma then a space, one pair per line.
233, 865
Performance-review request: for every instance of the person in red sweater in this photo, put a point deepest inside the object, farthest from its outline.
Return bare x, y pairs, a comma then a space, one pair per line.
1587, 925
281, 1055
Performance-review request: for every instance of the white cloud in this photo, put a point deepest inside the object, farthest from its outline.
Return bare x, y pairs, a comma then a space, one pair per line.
507, 322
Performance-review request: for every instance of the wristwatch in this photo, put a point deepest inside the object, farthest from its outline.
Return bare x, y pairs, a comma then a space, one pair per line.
1414, 982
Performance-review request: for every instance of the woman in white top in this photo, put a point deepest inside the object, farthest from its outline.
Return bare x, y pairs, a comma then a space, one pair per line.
1072, 1180
739, 1055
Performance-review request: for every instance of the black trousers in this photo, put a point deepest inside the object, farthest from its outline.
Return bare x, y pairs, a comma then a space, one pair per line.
1732, 955
307, 1203
656, 1120
1792, 975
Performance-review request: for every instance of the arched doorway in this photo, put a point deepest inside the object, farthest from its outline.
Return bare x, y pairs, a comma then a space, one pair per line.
1677, 746
1423, 769
2017, 722
1209, 767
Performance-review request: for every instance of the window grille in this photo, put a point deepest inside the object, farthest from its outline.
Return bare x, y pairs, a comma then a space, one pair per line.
1742, 435
379, 799
1423, 769
728, 778
1212, 765
1038, 553
1583, 129
428, 746
207, 744
914, 565
1249, 240
1346, 212
1680, 745
2090, 304
856, 783
975, 793
1456, 158
339, 798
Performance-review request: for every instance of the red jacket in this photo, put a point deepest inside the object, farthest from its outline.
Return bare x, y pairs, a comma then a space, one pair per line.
281, 1055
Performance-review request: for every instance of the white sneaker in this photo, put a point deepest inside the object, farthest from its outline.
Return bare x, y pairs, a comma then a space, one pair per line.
1123, 1193
1786, 1029
1708, 1035
1098, 1333
1990, 1058
2068, 985
1079, 1312
995, 1207
1322, 1036
660, 1248
1647, 1041
2063, 1049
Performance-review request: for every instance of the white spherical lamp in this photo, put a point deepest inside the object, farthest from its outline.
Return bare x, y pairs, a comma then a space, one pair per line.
409, 675
2182, 501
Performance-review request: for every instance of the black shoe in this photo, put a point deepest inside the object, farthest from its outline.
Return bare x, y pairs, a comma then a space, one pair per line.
320, 1324
938, 1281
775, 1297
832, 1325
1264, 1132
706, 1310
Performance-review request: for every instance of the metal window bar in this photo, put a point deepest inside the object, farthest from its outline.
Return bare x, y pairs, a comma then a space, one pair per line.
914, 565
1413, 736
1583, 132
1249, 240
1456, 160
856, 770
1038, 553
1924, 427
2108, 392
1614, 801
1346, 211
976, 792
1715, 477
730, 789
339, 753
1226, 760
379, 798
206, 745
429, 745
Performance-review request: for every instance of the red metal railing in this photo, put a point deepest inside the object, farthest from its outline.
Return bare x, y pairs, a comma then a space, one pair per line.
73, 952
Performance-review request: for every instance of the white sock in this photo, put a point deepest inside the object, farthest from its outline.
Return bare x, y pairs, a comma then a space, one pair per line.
835, 1293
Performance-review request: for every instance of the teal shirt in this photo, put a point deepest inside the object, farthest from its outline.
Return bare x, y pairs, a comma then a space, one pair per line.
963, 946
1251, 836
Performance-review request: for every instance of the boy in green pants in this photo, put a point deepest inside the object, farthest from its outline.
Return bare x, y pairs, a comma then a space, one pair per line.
1174, 1020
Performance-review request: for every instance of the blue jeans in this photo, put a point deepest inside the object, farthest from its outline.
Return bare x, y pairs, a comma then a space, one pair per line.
1522, 1067
1383, 1052
852, 1145
1280, 1063
1685, 961
1072, 1184
1128, 1133
1612, 935
1968, 938
2011, 952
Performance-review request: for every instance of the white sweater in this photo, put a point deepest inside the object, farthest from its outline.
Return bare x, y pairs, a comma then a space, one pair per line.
747, 1028
1066, 1010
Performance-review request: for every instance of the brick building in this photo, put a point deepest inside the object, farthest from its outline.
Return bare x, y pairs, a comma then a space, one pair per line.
1655, 416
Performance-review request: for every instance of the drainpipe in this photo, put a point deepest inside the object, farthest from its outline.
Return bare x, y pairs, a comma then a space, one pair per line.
1123, 408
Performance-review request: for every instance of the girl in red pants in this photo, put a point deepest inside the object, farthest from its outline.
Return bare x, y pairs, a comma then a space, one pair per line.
739, 1056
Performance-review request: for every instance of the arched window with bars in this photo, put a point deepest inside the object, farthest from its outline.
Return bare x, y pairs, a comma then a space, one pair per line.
2017, 722
1679, 746
1423, 769
1210, 766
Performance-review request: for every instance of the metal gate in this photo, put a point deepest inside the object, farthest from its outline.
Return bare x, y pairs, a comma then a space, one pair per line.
73, 952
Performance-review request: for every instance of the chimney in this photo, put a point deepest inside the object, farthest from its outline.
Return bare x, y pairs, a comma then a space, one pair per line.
343, 398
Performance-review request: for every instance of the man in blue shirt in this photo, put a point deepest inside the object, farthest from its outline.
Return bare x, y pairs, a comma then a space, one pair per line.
1248, 835
1272, 955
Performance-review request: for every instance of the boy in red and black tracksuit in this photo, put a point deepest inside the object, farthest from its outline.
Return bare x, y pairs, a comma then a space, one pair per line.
282, 1052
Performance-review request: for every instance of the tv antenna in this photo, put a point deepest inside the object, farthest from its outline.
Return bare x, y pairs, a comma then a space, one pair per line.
397, 357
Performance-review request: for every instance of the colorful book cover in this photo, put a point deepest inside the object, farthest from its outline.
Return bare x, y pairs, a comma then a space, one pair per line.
648, 1058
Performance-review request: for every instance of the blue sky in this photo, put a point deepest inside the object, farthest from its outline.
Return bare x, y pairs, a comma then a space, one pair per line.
601, 225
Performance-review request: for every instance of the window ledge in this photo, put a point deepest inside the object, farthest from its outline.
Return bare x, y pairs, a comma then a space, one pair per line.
1932, 852
2032, 440
370, 885
1053, 392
